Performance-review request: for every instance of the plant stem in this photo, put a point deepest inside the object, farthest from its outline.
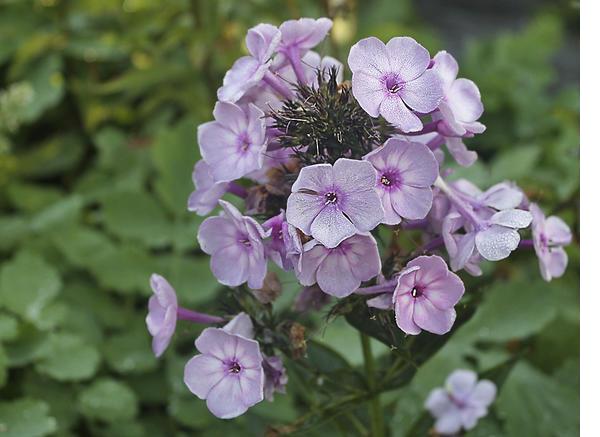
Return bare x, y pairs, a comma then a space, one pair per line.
375, 412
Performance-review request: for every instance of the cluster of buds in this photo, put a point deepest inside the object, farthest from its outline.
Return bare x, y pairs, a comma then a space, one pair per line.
318, 164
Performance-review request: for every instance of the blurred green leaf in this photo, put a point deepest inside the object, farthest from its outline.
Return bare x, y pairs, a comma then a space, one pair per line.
108, 400
67, 357
26, 418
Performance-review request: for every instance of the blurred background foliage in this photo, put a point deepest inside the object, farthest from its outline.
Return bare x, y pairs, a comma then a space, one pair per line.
99, 103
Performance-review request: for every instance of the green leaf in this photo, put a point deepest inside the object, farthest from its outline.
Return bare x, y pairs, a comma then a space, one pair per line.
130, 352
9, 327
57, 214
48, 85
535, 404
27, 284
515, 163
108, 400
136, 216
25, 418
67, 357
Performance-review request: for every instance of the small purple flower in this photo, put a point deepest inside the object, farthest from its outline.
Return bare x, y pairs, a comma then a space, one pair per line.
275, 376
162, 313
461, 403
228, 372
248, 71
550, 234
235, 244
425, 296
405, 173
277, 248
207, 193
234, 144
393, 80
339, 271
332, 203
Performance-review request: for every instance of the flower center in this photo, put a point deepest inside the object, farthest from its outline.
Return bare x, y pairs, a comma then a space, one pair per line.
416, 291
393, 84
244, 142
234, 367
385, 180
331, 198
244, 240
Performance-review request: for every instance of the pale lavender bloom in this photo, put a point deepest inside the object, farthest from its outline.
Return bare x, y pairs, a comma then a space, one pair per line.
332, 203
550, 234
241, 325
405, 173
277, 247
248, 71
162, 314
275, 376
393, 80
339, 271
501, 237
228, 372
236, 247
461, 403
310, 298
425, 296
234, 144
208, 192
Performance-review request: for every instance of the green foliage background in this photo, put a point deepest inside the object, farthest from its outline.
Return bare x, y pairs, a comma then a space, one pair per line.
99, 103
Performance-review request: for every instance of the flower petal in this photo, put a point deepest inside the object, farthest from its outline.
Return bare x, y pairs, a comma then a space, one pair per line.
370, 56
407, 57
404, 308
395, 111
412, 202
428, 317
331, 226
368, 91
202, 373
423, 94
302, 209
335, 276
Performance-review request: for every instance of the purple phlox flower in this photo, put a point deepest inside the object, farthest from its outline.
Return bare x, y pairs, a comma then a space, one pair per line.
207, 193
550, 234
405, 173
162, 313
461, 403
490, 222
384, 300
425, 296
277, 247
393, 80
241, 325
248, 71
332, 203
234, 144
297, 38
235, 244
310, 298
275, 376
340, 270
228, 372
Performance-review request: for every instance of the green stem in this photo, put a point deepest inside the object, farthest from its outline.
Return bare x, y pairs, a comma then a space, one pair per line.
375, 412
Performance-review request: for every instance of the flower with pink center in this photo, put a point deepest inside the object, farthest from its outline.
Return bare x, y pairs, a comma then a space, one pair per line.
334, 202
461, 402
550, 235
228, 372
425, 296
405, 173
339, 271
393, 80
233, 145
235, 244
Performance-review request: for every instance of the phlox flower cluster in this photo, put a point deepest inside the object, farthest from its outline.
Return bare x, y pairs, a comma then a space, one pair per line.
301, 172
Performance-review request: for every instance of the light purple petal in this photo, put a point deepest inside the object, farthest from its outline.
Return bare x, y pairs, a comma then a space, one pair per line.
216, 233
204, 198
218, 343
240, 325
369, 55
483, 394
424, 93
161, 340
438, 402
446, 67
404, 307
331, 226
496, 242
557, 231
335, 276
244, 74
445, 293
449, 423
304, 33
302, 209
226, 399
465, 100
428, 317
364, 210
314, 178
363, 256
460, 153
394, 110
313, 256
553, 263
383, 302
353, 176
461, 383
370, 93
412, 202
502, 196
407, 57
230, 265
512, 218
390, 216
261, 41
202, 373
